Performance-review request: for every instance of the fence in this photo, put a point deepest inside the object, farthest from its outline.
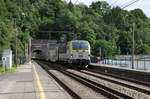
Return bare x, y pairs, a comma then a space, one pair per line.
138, 64
141, 62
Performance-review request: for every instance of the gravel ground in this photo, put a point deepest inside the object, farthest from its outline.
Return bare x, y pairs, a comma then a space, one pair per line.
132, 93
119, 80
80, 89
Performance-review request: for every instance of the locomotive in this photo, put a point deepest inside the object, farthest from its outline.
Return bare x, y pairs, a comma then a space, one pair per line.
75, 52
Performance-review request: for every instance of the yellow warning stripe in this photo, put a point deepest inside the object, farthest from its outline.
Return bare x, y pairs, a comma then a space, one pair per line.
80, 51
39, 84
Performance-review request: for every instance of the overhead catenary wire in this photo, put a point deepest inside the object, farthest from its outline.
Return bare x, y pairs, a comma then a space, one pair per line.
114, 2
75, 1
130, 4
94, 0
121, 3
126, 2
129, 1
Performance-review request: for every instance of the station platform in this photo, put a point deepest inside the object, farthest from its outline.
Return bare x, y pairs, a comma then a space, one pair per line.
30, 82
143, 75
120, 67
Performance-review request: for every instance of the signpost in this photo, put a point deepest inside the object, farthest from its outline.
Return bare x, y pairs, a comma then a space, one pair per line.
4, 63
7, 59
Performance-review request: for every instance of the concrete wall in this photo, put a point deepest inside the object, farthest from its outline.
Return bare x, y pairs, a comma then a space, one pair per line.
136, 74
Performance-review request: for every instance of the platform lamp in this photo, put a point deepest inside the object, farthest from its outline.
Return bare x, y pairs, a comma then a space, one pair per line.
15, 42
133, 45
133, 49
23, 16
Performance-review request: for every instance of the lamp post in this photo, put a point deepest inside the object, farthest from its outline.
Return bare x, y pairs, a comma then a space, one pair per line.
23, 15
24, 57
15, 42
133, 47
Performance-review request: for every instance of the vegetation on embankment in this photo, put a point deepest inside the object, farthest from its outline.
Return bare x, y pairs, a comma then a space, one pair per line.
7, 71
103, 26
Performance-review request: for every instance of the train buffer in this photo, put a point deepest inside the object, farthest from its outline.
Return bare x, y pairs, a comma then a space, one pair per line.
30, 82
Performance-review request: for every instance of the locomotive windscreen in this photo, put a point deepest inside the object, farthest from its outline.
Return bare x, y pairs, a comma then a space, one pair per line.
80, 46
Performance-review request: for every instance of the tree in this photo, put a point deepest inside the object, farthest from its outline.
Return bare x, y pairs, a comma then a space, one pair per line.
100, 7
138, 13
88, 34
125, 42
107, 49
103, 26
116, 16
142, 49
71, 6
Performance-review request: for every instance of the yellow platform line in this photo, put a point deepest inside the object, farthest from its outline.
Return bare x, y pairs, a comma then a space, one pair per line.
39, 84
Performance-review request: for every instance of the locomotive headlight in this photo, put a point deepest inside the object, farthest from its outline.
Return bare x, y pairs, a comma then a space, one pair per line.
71, 55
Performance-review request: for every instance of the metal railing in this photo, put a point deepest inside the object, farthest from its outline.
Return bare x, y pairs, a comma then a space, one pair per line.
142, 64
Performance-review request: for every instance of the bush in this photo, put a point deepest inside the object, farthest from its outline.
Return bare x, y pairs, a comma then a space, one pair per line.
107, 49
0, 64
7, 71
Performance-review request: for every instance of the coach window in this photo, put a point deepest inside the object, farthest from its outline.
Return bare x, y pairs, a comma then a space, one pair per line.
62, 49
67, 47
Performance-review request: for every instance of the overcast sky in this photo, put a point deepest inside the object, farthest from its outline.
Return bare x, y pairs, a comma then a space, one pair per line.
142, 4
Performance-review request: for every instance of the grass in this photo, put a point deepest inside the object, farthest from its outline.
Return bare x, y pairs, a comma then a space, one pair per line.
7, 71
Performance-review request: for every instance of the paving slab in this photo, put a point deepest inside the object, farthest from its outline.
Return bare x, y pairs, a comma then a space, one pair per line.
23, 84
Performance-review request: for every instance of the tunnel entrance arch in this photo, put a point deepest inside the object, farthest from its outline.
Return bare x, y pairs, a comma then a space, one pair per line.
40, 46
36, 54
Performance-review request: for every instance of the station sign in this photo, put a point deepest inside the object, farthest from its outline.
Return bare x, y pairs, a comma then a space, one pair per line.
3, 58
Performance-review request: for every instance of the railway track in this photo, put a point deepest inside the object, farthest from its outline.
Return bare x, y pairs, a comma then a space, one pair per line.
81, 92
122, 78
99, 87
130, 89
117, 82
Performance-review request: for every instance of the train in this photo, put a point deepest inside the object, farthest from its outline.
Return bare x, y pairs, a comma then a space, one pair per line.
74, 52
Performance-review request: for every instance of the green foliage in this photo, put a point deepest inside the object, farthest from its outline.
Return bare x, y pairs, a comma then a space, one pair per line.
107, 48
103, 26
88, 34
125, 42
100, 7
7, 71
142, 48
138, 13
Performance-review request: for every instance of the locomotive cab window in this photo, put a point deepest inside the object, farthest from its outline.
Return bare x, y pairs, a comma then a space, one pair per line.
79, 46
